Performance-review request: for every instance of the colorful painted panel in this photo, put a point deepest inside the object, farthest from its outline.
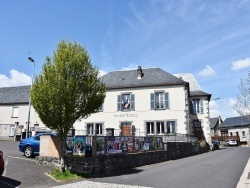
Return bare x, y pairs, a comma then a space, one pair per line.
79, 145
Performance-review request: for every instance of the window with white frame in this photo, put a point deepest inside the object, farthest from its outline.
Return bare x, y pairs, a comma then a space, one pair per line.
150, 127
90, 128
243, 134
159, 100
160, 127
196, 106
15, 112
170, 126
98, 128
126, 102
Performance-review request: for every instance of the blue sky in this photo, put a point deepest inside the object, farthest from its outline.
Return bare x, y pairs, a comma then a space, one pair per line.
210, 39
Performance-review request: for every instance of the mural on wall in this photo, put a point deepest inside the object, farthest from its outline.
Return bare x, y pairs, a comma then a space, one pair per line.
100, 143
79, 145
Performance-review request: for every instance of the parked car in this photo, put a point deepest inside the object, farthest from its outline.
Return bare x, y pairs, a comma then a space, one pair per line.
30, 146
1, 163
230, 142
216, 144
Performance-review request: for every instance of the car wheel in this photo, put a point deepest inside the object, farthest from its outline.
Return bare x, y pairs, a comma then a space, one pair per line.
28, 151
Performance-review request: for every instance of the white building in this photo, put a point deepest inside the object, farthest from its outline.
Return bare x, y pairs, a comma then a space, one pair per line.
156, 102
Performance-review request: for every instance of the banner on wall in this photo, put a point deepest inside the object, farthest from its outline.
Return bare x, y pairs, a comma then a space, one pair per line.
69, 146
100, 143
79, 145
113, 145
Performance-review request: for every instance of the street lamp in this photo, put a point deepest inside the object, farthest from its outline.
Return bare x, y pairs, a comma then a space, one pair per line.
28, 121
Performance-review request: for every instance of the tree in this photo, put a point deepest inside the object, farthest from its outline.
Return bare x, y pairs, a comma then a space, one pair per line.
242, 105
68, 89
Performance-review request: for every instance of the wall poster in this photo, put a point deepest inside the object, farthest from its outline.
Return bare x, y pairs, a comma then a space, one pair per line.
100, 143
79, 145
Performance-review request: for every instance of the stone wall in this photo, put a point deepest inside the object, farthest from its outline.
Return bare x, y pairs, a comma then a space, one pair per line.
106, 164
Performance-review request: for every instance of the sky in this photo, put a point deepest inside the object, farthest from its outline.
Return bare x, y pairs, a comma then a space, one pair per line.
209, 39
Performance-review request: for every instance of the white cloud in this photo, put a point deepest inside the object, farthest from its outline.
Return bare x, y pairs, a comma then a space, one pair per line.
16, 79
207, 71
101, 73
241, 64
214, 109
231, 101
130, 67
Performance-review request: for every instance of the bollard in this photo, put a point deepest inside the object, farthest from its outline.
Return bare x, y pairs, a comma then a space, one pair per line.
1, 163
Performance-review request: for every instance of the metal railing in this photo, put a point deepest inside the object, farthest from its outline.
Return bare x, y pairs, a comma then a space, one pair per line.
167, 137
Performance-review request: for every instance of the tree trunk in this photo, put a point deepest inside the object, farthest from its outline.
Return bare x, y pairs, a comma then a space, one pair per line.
63, 153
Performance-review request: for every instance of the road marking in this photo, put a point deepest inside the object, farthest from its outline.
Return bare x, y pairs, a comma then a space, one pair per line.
21, 158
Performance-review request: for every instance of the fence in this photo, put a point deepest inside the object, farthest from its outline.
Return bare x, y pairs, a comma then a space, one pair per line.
98, 145
167, 137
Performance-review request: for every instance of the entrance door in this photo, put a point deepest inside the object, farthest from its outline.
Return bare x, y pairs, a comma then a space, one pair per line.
126, 128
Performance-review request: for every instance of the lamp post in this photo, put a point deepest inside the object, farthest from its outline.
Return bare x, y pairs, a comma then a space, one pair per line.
28, 121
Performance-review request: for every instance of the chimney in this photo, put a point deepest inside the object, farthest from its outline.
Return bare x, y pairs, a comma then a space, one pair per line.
139, 72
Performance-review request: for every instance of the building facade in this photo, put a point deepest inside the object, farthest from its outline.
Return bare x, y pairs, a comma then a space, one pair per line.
153, 101
237, 127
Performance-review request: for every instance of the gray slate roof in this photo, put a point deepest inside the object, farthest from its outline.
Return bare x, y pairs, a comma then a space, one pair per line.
240, 121
195, 89
151, 77
213, 122
14, 95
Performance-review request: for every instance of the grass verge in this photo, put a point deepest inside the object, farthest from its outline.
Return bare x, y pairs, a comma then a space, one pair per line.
66, 176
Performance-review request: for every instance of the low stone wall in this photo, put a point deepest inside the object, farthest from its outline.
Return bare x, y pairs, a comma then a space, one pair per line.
105, 164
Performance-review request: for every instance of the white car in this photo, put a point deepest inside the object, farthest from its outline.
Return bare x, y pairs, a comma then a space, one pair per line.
230, 142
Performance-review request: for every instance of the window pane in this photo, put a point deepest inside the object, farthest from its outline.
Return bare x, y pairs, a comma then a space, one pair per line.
170, 127
15, 112
90, 129
159, 127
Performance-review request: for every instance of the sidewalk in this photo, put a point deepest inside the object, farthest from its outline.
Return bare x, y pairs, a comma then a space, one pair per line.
245, 177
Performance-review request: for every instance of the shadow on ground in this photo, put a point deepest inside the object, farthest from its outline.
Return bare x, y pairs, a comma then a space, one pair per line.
8, 183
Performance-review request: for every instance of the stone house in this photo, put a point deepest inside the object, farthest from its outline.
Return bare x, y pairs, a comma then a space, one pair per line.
14, 106
236, 127
156, 102
214, 125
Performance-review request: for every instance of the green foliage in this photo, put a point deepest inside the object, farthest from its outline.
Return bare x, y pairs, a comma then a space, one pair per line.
65, 176
68, 88
203, 143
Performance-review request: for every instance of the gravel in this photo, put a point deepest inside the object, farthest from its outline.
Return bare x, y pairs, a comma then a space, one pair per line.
91, 184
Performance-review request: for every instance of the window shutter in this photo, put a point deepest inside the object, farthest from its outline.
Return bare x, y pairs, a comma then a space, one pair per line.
201, 104
119, 102
166, 101
132, 102
152, 101
191, 107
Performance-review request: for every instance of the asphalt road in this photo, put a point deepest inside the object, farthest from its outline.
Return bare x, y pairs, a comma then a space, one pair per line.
221, 168
22, 172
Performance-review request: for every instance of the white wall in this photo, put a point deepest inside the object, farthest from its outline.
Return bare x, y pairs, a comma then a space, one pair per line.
6, 115
240, 130
111, 118
204, 118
